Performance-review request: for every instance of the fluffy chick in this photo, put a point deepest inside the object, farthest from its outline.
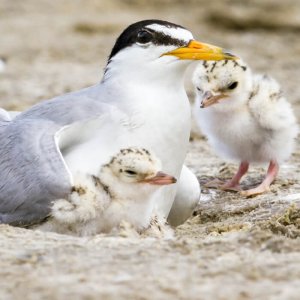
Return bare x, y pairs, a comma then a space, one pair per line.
245, 117
121, 192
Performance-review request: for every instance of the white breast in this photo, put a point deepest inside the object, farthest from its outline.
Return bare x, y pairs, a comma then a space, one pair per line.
233, 135
154, 117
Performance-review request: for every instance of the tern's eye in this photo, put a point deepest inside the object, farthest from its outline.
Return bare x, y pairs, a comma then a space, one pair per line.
232, 85
144, 37
200, 90
130, 172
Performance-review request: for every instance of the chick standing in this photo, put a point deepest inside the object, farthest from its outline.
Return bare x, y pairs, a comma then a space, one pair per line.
245, 117
121, 192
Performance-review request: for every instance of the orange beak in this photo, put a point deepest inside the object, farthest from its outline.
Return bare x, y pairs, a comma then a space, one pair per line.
200, 51
160, 178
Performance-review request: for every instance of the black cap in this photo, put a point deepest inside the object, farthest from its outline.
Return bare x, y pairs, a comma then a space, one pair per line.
138, 33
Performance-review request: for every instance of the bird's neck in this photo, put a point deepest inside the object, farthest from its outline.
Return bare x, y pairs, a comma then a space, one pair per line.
139, 92
147, 74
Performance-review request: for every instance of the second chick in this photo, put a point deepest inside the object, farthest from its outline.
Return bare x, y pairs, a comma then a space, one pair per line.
245, 117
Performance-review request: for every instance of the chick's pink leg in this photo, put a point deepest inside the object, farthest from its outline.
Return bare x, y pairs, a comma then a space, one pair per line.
234, 183
265, 185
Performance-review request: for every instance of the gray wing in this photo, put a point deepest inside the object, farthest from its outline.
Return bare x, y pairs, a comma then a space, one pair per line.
68, 108
32, 171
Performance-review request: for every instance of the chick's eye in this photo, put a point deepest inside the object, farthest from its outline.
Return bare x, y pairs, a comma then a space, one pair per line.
233, 85
144, 37
198, 89
130, 172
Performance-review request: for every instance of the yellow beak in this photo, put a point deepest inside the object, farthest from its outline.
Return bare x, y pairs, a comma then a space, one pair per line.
201, 51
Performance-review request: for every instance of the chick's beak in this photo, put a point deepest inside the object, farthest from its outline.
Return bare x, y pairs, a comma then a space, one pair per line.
160, 178
200, 51
209, 99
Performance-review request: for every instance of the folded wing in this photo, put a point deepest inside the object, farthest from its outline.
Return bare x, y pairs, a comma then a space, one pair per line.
32, 171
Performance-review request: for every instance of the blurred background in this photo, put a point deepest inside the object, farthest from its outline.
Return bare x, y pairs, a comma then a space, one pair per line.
51, 47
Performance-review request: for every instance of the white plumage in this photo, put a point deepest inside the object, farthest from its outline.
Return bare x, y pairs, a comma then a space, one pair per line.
245, 117
122, 192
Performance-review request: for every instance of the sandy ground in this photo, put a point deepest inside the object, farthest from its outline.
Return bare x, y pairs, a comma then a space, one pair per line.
232, 248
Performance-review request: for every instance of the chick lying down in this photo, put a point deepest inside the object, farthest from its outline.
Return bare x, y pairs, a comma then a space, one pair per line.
121, 192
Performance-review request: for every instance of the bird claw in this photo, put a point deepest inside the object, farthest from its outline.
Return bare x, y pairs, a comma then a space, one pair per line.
223, 185
228, 187
255, 191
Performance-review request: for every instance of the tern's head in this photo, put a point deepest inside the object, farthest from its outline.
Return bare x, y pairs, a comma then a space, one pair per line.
152, 45
134, 169
222, 84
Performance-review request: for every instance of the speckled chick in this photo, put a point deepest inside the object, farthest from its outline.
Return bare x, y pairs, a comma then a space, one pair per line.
245, 117
122, 191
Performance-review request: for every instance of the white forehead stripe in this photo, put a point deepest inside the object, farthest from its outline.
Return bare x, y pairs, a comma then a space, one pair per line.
176, 33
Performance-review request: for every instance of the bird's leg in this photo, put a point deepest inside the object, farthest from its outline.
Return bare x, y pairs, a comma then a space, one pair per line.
234, 183
265, 185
